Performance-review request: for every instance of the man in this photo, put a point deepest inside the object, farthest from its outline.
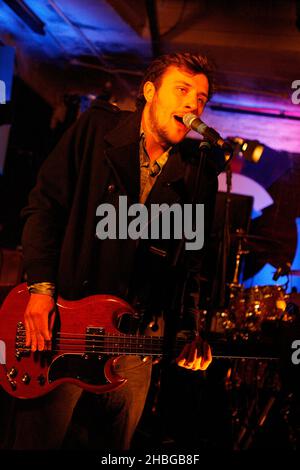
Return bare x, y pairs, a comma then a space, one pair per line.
105, 154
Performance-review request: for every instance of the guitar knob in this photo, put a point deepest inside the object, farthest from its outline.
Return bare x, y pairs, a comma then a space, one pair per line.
13, 384
41, 379
26, 378
13, 373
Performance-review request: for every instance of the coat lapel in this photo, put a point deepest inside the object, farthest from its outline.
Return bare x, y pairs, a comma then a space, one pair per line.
170, 186
122, 154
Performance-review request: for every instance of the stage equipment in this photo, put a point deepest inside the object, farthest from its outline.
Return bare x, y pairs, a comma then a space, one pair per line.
251, 150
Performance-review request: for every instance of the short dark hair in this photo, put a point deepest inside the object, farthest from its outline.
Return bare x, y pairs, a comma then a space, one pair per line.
195, 63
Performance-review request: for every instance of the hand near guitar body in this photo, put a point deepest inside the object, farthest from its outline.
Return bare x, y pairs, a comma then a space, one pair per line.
39, 318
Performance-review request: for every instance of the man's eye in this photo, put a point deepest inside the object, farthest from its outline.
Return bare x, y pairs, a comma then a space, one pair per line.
182, 90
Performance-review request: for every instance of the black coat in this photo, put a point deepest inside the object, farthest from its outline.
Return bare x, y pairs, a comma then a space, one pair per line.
96, 161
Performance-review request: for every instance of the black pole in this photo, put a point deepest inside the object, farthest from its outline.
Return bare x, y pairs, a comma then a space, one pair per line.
154, 28
176, 286
226, 237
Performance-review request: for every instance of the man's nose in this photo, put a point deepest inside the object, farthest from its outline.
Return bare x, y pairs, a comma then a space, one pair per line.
191, 103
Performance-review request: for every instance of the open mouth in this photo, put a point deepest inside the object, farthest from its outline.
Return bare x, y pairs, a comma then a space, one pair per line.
179, 119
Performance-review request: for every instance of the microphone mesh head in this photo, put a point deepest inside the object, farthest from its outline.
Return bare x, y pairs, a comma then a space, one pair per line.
188, 119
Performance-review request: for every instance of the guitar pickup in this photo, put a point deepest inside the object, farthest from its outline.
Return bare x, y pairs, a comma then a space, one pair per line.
92, 338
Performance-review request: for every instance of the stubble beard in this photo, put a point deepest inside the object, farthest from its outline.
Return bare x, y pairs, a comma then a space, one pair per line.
160, 132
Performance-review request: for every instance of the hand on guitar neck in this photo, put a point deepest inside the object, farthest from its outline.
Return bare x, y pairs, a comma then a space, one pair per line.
195, 355
39, 319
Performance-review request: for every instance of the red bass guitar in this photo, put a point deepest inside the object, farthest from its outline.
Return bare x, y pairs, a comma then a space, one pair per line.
85, 346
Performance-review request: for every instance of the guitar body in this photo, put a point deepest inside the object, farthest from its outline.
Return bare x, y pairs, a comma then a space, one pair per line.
85, 346
88, 337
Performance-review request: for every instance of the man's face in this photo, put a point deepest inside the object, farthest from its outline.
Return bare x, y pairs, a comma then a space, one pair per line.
180, 92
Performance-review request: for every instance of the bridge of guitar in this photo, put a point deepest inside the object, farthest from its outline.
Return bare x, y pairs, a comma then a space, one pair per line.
21, 348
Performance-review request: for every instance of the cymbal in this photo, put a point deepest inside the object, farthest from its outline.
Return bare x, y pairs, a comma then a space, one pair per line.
255, 238
255, 243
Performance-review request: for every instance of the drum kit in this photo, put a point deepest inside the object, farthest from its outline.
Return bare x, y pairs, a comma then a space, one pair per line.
249, 309
257, 315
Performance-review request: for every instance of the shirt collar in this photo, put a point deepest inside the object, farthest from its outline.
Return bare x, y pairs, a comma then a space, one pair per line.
155, 166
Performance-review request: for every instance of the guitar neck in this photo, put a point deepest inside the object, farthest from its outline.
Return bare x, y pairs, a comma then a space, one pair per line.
120, 345
111, 344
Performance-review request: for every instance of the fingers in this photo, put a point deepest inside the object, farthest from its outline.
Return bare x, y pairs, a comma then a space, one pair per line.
181, 360
195, 356
34, 332
207, 356
27, 331
36, 318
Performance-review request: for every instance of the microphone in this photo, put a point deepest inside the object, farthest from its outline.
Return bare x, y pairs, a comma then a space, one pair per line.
193, 122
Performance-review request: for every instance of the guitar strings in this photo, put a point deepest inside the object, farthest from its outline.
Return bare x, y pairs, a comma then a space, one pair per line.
112, 335
107, 339
115, 338
108, 344
112, 344
97, 352
112, 353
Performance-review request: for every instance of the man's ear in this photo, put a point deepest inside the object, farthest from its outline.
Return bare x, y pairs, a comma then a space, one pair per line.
149, 90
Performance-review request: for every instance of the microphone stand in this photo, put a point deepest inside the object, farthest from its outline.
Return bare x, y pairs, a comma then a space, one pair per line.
218, 292
204, 154
176, 290
226, 236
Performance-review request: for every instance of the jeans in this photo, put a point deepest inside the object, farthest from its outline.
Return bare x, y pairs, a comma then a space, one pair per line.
70, 418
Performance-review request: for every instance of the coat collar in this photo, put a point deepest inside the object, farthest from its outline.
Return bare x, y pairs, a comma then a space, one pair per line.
127, 130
